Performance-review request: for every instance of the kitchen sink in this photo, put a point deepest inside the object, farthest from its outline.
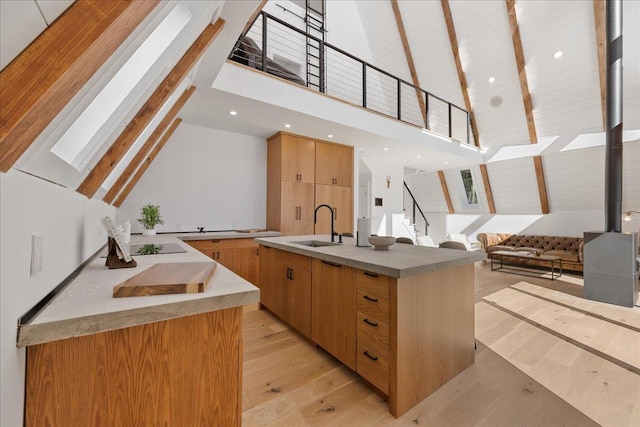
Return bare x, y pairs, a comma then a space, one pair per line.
315, 243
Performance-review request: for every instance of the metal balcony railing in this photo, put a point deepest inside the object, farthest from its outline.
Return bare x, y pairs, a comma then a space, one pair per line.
281, 49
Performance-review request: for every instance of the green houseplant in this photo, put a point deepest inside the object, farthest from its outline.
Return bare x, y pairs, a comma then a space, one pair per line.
149, 218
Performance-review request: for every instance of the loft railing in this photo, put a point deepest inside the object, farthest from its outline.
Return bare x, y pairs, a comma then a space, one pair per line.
281, 49
418, 221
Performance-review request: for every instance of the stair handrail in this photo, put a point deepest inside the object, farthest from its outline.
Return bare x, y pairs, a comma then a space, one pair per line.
324, 45
416, 205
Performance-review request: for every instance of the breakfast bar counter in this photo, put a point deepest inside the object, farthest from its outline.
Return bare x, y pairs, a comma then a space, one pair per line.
402, 318
174, 359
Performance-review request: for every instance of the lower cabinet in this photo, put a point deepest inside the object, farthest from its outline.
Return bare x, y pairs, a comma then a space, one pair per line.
293, 290
372, 303
333, 310
238, 255
342, 309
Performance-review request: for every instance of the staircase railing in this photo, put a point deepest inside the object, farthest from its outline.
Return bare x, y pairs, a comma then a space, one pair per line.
277, 47
415, 210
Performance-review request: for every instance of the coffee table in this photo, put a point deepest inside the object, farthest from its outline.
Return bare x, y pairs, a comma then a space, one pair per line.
554, 261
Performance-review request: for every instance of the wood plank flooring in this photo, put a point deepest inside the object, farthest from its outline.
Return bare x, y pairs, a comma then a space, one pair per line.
523, 375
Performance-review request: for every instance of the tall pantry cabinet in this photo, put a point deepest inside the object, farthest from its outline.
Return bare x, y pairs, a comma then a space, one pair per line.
302, 174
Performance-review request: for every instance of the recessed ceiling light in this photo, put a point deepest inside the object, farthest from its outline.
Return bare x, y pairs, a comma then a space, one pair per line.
446, 163
287, 125
419, 156
233, 113
492, 79
386, 149
330, 136
557, 54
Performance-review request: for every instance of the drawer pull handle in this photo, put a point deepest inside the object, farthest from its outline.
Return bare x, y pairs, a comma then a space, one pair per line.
367, 297
374, 358
333, 264
370, 274
369, 322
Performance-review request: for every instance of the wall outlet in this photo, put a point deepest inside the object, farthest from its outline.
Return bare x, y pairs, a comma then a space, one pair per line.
36, 253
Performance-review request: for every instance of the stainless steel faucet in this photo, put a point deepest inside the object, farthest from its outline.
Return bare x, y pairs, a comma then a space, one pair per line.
315, 219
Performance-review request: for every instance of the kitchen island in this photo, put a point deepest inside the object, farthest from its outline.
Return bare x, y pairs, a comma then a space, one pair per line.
403, 319
154, 360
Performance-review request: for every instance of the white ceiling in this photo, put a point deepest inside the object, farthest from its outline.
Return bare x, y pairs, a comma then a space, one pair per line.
565, 92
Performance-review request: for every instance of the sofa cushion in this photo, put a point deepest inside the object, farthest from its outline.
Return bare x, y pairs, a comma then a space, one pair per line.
496, 248
564, 255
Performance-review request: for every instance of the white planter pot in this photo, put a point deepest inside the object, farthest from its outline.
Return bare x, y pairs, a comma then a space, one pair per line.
151, 232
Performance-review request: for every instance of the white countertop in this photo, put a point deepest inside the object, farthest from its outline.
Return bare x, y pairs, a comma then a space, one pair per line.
401, 260
220, 235
86, 306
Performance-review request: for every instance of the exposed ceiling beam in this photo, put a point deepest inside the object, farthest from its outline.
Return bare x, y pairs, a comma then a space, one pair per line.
522, 73
487, 188
147, 162
445, 190
601, 42
407, 54
453, 39
253, 17
37, 84
148, 145
163, 92
542, 188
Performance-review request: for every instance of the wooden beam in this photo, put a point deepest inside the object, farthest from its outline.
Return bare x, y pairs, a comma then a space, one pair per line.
522, 72
407, 54
38, 83
147, 162
487, 188
453, 39
148, 145
542, 188
445, 190
253, 17
114, 154
601, 42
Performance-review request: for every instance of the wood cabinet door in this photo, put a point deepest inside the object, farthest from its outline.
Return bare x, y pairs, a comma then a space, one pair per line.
226, 257
293, 290
334, 164
341, 200
267, 277
247, 260
296, 208
298, 159
333, 310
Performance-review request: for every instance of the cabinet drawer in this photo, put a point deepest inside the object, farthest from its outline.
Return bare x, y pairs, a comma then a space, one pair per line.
211, 244
373, 368
372, 303
246, 243
373, 338
373, 282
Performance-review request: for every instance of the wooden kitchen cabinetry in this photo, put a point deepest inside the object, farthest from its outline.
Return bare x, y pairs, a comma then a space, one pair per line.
341, 200
334, 164
372, 302
267, 277
293, 290
238, 255
333, 310
298, 170
285, 287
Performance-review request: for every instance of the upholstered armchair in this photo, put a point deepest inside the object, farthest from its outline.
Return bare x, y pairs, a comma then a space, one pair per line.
462, 238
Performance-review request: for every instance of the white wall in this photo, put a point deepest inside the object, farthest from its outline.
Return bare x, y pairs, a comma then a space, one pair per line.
71, 231
381, 216
204, 178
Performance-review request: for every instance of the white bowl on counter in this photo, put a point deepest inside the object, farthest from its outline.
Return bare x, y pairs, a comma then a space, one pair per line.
382, 243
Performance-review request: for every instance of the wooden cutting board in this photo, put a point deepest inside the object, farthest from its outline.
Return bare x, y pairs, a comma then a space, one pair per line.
168, 278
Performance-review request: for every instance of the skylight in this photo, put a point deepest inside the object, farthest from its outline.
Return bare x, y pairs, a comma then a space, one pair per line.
82, 139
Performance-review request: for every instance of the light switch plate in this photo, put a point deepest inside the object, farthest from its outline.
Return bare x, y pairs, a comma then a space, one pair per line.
36, 253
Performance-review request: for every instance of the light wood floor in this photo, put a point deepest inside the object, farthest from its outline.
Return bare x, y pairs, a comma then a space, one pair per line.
545, 357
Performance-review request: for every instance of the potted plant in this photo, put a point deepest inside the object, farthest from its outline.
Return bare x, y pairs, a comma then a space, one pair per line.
149, 218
